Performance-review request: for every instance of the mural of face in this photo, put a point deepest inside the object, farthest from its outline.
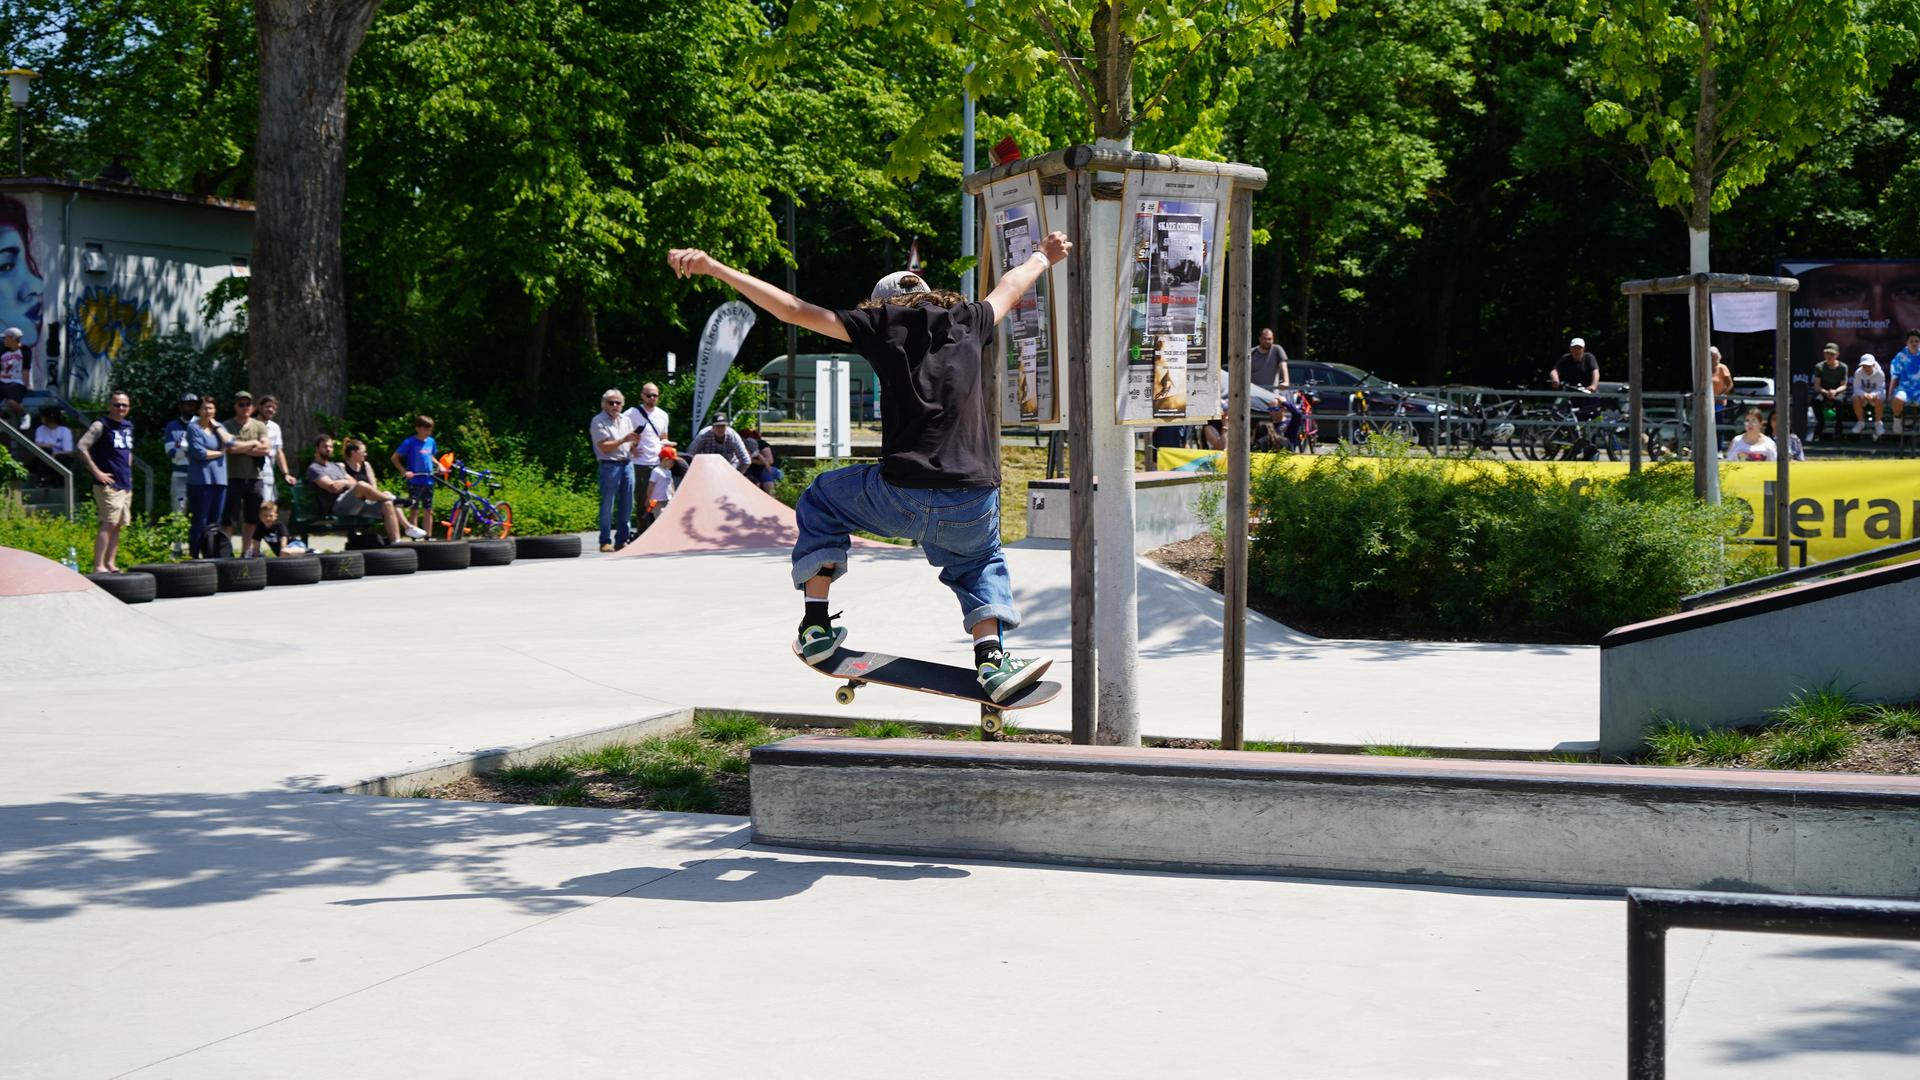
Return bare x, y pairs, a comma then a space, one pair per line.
20, 282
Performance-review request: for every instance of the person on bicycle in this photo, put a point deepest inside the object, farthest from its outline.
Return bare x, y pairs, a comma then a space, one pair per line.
1577, 368
938, 479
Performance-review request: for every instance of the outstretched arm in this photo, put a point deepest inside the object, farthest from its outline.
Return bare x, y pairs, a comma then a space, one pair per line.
1014, 283
775, 301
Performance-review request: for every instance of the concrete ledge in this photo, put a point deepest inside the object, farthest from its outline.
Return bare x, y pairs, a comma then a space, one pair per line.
491, 760
1529, 825
1725, 666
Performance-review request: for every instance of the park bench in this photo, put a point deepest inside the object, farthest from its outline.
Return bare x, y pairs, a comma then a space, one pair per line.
305, 519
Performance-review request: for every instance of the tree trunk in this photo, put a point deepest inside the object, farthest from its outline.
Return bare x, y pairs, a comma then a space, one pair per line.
535, 356
1304, 251
297, 344
1276, 289
1706, 441
1113, 78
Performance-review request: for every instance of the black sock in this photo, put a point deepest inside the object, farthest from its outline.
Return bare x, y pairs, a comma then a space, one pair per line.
987, 651
816, 615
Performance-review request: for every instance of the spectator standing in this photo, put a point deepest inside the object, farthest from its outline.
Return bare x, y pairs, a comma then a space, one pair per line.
348, 489
613, 438
16, 364
245, 452
1722, 375
107, 448
654, 453
1576, 368
1752, 444
1869, 389
1903, 380
276, 453
174, 436
414, 459
207, 445
1269, 383
1829, 390
718, 438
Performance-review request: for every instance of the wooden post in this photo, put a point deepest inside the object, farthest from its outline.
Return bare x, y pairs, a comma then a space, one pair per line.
991, 371
1636, 403
1086, 693
1233, 676
1706, 437
1783, 419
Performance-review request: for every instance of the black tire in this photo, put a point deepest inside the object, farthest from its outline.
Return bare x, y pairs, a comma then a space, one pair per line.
391, 560
491, 552
444, 555
128, 588
547, 547
342, 566
171, 580
240, 575
294, 570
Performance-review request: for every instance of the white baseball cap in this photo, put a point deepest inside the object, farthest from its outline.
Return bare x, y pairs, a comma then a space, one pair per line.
1582, 342
14, 331
899, 283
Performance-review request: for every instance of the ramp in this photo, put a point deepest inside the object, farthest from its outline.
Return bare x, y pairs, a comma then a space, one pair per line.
718, 509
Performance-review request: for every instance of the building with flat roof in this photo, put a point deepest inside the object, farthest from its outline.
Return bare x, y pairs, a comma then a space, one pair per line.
87, 267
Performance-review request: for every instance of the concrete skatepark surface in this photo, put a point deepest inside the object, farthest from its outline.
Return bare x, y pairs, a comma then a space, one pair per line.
178, 900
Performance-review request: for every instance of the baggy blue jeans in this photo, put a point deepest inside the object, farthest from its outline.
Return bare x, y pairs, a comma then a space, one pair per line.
958, 528
616, 502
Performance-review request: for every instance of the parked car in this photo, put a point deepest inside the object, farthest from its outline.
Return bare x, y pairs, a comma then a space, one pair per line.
1331, 388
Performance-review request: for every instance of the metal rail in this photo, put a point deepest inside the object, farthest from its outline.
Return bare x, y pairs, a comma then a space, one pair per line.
1652, 912
1889, 553
66, 474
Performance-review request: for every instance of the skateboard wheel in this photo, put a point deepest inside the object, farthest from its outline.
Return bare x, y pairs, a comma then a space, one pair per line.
844, 695
992, 723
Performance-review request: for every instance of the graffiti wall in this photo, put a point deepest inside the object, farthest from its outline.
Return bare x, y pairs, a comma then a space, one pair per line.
23, 279
100, 325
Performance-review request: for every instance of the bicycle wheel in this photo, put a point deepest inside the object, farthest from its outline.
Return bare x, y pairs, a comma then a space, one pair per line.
457, 521
501, 525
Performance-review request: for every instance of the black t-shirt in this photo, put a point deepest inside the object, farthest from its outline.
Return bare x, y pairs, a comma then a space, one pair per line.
1830, 377
937, 429
1577, 372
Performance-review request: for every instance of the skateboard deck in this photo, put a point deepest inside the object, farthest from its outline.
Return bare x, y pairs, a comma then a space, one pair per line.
859, 668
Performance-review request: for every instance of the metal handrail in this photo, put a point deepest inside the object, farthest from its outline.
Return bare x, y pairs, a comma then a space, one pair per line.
1901, 550
65, 473
1652, 912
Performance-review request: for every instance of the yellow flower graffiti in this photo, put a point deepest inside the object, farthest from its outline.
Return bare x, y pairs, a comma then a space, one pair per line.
108, 323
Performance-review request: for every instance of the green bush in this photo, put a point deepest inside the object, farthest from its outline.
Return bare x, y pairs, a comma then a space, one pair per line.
52, 535
1494, 550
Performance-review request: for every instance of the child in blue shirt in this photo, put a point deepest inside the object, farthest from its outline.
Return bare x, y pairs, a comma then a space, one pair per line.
414, 458
1903, 380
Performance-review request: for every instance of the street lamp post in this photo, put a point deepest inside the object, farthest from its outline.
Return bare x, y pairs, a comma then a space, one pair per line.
18, 80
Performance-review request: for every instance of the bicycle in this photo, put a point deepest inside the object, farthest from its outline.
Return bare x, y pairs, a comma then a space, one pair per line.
1483, 425
1359, 425
474, 514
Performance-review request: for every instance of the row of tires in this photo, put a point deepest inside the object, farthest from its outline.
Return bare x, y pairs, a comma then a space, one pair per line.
208, 576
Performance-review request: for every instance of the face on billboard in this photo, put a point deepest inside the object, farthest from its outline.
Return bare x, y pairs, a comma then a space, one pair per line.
1888, 294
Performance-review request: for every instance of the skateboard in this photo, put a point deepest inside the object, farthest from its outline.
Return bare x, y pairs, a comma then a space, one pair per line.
860, 668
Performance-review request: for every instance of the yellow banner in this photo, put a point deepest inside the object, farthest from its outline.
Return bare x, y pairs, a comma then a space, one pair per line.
1838, 507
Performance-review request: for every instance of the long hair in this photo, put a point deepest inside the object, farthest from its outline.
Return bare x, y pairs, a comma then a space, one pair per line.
13, 213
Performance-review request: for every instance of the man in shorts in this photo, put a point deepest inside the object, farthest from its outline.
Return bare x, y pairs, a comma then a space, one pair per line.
107, 449
244, 455
1903, 380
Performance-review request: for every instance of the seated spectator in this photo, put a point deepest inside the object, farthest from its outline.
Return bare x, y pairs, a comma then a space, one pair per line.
1829, 391
347, 489
53, 436
761, 470
1752, 444
1795, 452
722, 440
1869, 391
1213, 435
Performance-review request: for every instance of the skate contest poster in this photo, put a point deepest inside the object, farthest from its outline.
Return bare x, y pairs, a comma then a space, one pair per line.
1170, 261
1030, 385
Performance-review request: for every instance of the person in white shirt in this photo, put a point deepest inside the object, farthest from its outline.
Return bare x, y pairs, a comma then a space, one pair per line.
276, 453
55, 438
649, 422
1752, 444
613, 437
1869, 388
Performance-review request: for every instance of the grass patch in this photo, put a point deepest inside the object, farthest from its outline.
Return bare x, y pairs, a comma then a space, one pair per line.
1273, 748
1820, 706
1727, 746
538, 773
618, 758
1395, 750
1895, 721
1672, 743
1796, 748
886, 729
571, 793
733, 728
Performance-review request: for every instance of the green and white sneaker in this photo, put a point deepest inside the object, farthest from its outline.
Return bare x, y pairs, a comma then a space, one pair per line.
816, 643
1005, 677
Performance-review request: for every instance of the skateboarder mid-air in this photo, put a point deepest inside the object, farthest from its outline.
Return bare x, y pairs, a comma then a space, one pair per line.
938, 480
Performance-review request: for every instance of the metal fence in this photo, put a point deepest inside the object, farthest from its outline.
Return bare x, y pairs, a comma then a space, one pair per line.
1652, 912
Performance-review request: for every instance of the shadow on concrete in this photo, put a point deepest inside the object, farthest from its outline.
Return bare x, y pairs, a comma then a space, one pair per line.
189, 850
710, 881
1888, 1025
